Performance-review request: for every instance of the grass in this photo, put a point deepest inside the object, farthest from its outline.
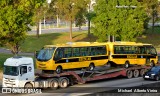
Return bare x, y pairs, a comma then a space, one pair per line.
32, 43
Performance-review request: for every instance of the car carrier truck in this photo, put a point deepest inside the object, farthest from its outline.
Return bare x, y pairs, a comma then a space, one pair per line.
20, 72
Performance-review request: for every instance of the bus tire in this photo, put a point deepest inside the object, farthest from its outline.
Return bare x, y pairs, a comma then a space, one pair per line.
58, 69
136, 73
28, 86
91, 67
129, 74
54, 84
152, 64
126, 65
63, 82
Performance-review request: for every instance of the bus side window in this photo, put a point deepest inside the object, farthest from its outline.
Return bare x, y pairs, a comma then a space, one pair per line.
59, 54
67, 52
93, 51
76, 52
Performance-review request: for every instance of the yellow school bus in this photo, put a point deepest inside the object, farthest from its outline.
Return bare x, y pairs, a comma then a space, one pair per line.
71, 56
131, 53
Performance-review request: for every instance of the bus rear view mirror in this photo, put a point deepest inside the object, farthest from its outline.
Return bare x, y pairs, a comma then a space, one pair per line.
36, 54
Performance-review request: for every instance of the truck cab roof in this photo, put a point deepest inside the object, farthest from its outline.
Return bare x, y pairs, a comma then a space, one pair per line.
18, 60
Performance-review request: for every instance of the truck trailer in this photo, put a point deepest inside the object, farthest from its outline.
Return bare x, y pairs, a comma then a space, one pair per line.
20, 72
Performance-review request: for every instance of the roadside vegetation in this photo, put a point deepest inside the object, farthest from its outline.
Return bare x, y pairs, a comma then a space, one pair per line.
32, 44
3, 57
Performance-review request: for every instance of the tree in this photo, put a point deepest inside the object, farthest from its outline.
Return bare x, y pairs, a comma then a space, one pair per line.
15, 18
68, 9
119, 18
40, 8
152, 9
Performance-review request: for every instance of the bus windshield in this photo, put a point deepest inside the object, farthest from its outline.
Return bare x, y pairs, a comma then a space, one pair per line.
45, 54
11, 70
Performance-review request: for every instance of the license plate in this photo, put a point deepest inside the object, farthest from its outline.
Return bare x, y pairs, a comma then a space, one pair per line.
146, 76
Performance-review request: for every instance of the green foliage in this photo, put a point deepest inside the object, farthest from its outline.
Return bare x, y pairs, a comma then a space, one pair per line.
124, 22
68, 10
15, 16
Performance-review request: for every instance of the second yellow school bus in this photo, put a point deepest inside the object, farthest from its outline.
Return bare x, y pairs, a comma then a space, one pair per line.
72, 56
131, 53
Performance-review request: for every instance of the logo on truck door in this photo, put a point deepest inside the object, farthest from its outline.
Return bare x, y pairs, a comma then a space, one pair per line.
29, 68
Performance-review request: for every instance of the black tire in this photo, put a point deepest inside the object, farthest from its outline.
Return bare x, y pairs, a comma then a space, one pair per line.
129, 74
91, 67
156, 78
54, 84
136, 73
63, 82
152, 64
59, 70
126, 65
28, 86
142, 71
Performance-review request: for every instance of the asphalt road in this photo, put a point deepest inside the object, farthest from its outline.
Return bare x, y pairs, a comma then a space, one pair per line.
94, 87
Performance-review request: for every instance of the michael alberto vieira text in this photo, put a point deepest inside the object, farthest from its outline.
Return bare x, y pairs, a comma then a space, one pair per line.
138, 90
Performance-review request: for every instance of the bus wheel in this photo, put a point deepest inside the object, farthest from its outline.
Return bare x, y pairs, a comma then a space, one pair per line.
58, 69
136, 73
126, 65
129, 74
142, 71
63, 82
152, 64
91, 67
54, 84
28, 86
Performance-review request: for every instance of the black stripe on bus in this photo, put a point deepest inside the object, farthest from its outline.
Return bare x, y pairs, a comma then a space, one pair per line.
145, 56
77, 59
138, 56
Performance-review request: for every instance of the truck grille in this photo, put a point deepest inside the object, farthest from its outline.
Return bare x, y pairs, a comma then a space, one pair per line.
9, 82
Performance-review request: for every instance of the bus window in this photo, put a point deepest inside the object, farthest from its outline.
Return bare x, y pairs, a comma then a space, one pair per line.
101, 50
151, 50
142, 50
67, 52
76, 52
59, 53
84, 51
93, 51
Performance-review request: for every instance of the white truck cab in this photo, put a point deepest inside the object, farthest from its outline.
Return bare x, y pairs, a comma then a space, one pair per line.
18, 71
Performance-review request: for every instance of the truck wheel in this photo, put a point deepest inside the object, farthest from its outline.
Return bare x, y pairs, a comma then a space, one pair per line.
91, 67
126, 65
156, 78
129, 74
58, 69
28, 86
63, 82
54, 84
136, 73
142, 71
152, 64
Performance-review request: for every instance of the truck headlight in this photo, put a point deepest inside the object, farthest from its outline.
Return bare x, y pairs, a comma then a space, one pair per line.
152, 74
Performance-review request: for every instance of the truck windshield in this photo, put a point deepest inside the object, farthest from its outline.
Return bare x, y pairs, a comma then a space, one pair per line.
11, 70
45, 54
